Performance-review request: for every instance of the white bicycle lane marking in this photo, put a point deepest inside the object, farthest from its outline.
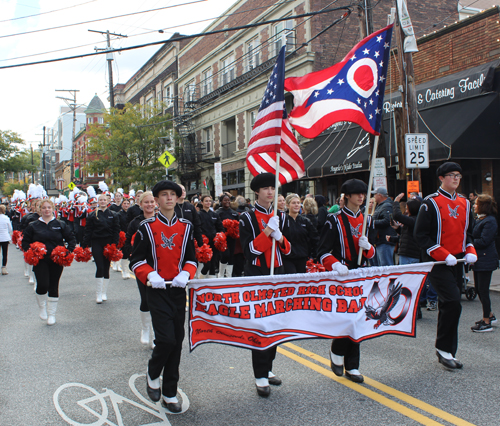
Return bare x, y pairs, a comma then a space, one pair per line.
148, 406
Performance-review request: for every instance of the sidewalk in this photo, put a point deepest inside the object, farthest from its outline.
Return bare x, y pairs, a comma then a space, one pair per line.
495, 281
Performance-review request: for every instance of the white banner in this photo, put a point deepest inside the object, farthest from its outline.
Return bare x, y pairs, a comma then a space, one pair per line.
260, 312
410, 43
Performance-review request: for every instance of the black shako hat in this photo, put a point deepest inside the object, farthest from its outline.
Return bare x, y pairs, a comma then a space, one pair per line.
354, 186
263, 180
448, 167
166, 184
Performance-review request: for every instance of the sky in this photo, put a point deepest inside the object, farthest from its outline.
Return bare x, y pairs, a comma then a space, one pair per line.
28, 93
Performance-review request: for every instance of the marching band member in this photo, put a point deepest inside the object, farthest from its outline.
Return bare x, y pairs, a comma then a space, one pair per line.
135, 210
258, 227
303, 237
210, 225
116, 206
226, 258
102, 228
186, 210
164, 251
35, 193
339, 245
51, 232
147, 203
444, 230
80, 216
122, 215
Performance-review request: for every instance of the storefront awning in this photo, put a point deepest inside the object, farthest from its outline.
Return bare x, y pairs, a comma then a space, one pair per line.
339, 152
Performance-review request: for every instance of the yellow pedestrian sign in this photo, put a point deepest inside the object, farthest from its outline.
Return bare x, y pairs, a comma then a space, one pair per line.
166, 159
71, 186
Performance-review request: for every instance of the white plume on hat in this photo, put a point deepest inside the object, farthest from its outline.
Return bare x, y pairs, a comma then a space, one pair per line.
91, 191
120, 190
102, 186
82, 197
131, 193
73, 194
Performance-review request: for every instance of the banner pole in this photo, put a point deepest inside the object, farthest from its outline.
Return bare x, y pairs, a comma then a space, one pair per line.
370, 182
275, 210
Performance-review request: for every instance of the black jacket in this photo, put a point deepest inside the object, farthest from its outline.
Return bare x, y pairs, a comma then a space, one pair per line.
382, 222
122, 216
133, 211
102, 225
227, 214
188, 211
115, 207
52, 234
210, 224
302, 235
26, 220
484, 234
131, 230
407, 244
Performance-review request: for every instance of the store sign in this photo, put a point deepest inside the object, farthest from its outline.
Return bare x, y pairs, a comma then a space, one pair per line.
379, 169
218, 178
449, 89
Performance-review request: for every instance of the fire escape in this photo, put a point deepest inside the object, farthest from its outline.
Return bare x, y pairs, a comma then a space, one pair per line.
188, 149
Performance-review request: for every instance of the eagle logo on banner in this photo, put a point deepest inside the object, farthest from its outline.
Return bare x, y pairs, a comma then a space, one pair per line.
453, 212
168, 242
378, 307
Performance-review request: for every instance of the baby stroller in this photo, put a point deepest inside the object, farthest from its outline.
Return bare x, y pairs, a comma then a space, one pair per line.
467, 289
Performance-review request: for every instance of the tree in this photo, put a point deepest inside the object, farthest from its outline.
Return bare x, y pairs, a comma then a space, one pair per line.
128, 145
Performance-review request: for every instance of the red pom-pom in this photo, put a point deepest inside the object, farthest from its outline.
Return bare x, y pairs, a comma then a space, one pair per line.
204, 253
82, 254
205, 241
133, 239
314, 267
20, 242
15, 236
232, 228
220, 241
35, 253
121, 239
62, 256
112, 253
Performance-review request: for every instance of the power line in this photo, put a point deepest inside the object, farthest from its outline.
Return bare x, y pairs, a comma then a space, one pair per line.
45, 13
180, 38
102, 19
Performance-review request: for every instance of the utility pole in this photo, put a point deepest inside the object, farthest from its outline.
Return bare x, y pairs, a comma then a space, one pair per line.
408, 92
109, 58
365, 16
72, 105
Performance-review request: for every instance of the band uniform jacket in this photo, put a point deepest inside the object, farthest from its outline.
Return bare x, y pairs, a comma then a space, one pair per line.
52, 234
102, 225
257, 247
444, 226
165, 246
188, 211
334, 244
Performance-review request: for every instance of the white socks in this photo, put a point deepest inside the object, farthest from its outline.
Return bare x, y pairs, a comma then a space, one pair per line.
173, 400
262, 382
271, 375
155, 384
445, 355
336, 359
354, 372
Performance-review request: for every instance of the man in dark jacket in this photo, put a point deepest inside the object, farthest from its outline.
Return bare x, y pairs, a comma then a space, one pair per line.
382, 218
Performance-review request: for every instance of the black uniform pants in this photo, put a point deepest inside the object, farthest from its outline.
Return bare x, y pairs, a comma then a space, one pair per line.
295, 266
448, 282
168, 313
227, 257
209, 268
349, 350
144, 298
47, 275
101, 262
482, 280
262, 361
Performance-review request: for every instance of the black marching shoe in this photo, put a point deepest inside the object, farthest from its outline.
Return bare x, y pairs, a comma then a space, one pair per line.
275, 381
264, 391
338, 370
173, 407
449, 363
356, 378
154, 394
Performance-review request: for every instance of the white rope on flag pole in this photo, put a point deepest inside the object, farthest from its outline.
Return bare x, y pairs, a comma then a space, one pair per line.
370, 182
275, 210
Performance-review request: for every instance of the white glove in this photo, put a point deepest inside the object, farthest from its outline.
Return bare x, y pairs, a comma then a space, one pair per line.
341, 269
276, 235
470, 258
364, 244
181, 279
155, 280
451, 260
274, 223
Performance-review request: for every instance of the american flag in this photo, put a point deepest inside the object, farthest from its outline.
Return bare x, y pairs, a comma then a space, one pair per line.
272, 134
352, 90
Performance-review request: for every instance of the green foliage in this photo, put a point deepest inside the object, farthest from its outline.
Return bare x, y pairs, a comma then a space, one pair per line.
12, 158
128, 145
9, 187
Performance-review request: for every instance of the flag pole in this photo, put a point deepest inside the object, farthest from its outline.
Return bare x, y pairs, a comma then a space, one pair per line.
275, 210
370, 183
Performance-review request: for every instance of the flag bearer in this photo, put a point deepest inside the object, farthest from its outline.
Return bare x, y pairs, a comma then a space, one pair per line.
258, 228
338, 251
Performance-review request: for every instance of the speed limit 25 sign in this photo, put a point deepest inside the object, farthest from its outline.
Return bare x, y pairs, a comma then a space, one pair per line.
417, 150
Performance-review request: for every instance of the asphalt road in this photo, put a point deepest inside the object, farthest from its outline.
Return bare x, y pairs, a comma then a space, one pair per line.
89, 369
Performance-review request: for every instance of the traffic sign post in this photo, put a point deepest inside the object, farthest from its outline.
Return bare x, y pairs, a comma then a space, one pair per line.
417, 150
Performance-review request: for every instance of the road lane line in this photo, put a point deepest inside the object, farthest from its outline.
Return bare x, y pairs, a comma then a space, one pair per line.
386, 389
